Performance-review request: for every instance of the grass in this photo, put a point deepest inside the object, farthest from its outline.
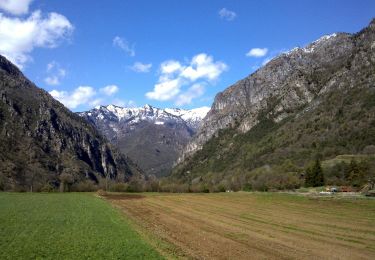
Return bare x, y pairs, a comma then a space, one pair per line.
261, 225
346, 158
66, 226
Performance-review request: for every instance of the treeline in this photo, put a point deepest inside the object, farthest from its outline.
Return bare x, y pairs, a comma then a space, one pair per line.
287, 176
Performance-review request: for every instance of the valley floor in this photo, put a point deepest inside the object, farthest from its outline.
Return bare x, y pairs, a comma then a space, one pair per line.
254, 225
66, 226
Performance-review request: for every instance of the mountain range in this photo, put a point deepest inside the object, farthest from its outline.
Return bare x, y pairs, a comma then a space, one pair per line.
311, 103
152, 137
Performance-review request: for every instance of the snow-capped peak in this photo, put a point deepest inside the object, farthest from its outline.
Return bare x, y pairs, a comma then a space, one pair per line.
148, 113
199, 112
311, 47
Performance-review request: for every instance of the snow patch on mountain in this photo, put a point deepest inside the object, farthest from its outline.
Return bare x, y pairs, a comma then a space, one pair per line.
148, 113
312, 46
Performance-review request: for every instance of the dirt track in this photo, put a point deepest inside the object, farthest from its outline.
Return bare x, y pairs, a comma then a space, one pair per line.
255, 226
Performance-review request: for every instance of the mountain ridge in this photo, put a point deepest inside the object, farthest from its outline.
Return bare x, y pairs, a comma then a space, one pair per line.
251, 94
167, 131
304, 103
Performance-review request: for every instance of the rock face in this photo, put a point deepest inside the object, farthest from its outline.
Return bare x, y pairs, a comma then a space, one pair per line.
317, 101
40, 139
150, 136
290, 82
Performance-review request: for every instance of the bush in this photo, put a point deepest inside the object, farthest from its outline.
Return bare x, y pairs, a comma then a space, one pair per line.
47, 188
174, 187
266, 178
84, 186
220, 188
369, 149
151, 186
355, 174
119, 187
101, 192
135, 185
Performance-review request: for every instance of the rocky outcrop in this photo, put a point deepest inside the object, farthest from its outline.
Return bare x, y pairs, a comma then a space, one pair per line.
40, 137
290, 82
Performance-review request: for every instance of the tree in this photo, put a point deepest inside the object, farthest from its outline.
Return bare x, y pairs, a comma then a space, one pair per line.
66, 179
314, 175
354, 174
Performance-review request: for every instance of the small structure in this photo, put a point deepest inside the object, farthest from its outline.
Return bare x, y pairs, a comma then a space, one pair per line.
334, 189
346, 189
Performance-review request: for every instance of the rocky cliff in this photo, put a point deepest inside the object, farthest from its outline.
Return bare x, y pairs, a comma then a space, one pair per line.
308, 102
40, 139
289, 82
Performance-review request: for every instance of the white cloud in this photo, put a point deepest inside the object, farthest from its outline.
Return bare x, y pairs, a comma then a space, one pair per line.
80, 96
62, 72
124, 45
174, 76
170, 66
165, 90
194, 91
56, 74
19, 37
87, 96
15, 7
203, 66
51, 65
109, 90
227, 14
52, 80
141, 67
257, 52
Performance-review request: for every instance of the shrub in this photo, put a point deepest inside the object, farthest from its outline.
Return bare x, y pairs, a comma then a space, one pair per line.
369, 149
355, 174
135, 185
84, 186
174, 187
119, 187
47, 188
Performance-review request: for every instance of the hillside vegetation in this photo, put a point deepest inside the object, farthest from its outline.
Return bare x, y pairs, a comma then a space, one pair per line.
342, 122
307, 105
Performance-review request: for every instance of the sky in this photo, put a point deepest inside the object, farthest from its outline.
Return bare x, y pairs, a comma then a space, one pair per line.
164, 53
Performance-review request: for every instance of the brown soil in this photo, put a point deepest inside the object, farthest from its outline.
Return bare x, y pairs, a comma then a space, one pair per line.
256, 226
110, 196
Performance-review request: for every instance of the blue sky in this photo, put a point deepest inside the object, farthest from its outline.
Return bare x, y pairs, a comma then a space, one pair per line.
164, 53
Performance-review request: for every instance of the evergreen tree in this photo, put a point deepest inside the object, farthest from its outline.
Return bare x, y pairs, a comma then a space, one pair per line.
314, 175
319, 176
309, 178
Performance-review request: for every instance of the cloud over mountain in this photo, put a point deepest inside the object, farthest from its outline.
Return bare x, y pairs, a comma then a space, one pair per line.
257, 52
201, 70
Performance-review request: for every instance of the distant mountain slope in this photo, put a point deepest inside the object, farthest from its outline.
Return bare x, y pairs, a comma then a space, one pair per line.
150, 136
40, 139
317, 99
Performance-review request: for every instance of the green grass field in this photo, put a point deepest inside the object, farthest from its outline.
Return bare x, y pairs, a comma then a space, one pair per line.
66, 226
